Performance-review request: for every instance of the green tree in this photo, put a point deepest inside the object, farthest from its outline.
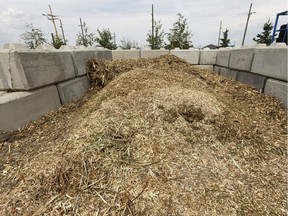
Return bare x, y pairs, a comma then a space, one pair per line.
180, 35
157, 41
87, 40
33, 37
128, 44
225, 41
57, 41
105, 39
265, 36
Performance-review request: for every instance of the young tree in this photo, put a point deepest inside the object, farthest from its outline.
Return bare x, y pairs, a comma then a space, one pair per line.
105, 39
225, 41
157, 41
128, 44
265, 36
180, 35
88, 39
57, 41
33, 37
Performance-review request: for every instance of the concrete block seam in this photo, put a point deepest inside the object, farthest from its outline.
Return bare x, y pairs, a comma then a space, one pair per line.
252, 61
9, 69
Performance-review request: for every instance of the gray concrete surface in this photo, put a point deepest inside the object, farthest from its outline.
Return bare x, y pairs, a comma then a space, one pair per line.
153, 53
80, 58
32, 69
125, 54
223, 57
191, 55
105, 54
217, 69
277, 89
19, 108
72, 90
241, 59
208, 57
254, 80
271, 62
5, 75
228, 73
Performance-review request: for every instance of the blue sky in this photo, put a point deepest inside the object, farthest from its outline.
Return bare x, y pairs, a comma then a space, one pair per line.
132, 18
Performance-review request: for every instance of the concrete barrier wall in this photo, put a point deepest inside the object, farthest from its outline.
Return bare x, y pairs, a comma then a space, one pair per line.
41, 80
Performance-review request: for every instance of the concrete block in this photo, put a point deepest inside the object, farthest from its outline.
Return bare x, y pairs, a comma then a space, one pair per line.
80, 58
228, 73
5, 74
271, 62
191, 56
14, 46
206, 67
72, 90
241, 59
125, 54
45, 47
32, 69
277, 89
223, 56
153, 53
208, 57
217, 69
103, 54
254, 80
19, 108
67, 47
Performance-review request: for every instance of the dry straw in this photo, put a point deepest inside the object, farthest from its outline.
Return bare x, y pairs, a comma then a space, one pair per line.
152, 137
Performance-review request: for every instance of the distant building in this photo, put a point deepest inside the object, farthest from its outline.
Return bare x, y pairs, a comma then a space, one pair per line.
211, 46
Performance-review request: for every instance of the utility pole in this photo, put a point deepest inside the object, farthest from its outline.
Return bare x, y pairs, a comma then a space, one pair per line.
114, 38
249, 14
61, 26
83, 37
219, 33
152, 46
52, 18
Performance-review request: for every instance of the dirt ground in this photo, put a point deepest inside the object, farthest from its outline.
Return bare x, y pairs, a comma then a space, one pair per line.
152, 137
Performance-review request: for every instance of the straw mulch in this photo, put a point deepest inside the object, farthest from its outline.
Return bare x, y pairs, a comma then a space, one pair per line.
153, 137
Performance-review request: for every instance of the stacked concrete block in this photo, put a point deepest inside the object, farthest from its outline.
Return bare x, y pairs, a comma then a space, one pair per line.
254, 80
104, 54
223, 56
277, 89
80, 58
45, 47
241, 59
20, 108
153, 53
5, 73
125, 54
33, 69
271, 62
208, 57
191, 55
217, 69
72, 90
228, 73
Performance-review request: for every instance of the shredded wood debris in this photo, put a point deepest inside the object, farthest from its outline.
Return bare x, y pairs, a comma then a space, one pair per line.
152, 137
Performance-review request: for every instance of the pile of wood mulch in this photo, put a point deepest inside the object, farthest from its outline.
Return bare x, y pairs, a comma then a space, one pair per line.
152, 137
